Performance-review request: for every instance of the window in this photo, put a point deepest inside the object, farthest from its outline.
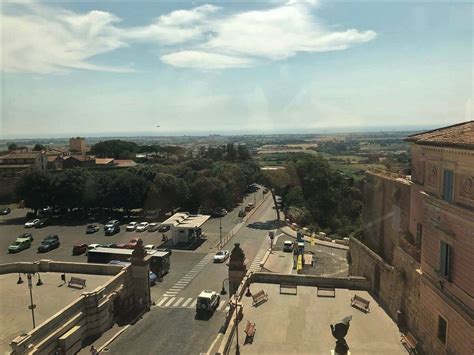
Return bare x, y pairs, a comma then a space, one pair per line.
442, 329
445, 259
419, 232
448, 185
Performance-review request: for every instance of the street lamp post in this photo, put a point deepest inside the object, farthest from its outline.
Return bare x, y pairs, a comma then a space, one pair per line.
237, 348
220, 232
32, 306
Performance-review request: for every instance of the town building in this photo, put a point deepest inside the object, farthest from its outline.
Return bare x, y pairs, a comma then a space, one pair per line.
418, 240
82, 161
15, 163
77, 145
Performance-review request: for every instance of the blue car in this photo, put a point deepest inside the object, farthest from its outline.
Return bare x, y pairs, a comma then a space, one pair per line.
152, 276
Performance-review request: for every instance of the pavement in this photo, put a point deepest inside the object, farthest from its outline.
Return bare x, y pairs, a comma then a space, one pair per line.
300, 324
49, 298
292, 233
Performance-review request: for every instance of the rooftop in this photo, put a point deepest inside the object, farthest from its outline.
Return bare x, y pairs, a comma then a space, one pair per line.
103, 161
124, 163
300, 324
29, 155
460, 135
184, 219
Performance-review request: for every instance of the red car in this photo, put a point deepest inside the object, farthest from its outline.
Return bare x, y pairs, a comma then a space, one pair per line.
79, 249
132, 243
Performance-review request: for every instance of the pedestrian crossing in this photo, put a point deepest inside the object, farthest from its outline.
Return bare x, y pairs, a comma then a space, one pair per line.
182, 302
186, 279
255, 266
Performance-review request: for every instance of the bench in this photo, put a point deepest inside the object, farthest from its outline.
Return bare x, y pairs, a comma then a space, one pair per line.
77, 282
249, 331
410, 343
289, 286
326, 291
259, 297
360, 303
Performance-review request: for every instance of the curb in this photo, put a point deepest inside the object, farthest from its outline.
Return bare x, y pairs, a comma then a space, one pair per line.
115, 336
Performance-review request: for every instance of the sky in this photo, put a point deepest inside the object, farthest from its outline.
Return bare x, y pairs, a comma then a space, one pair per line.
127, 67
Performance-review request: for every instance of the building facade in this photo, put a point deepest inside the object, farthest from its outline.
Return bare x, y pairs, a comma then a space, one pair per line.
15, 163
77, 145
443, 224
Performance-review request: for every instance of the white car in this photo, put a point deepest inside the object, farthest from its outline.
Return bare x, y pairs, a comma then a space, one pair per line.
132, 226
142, 227
149, 247
92, 246
31, 224
221, 256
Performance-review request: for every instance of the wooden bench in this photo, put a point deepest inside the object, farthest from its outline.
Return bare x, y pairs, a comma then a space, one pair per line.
326, 291
250, 331
259, 297
289, 286
360, 303
410, 343
77, 282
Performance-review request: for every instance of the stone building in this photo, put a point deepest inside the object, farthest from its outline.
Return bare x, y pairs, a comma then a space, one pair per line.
417, 244
15, 163
77, 145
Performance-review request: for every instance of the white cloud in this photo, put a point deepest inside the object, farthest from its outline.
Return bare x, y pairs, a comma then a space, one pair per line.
47, 39
205, 60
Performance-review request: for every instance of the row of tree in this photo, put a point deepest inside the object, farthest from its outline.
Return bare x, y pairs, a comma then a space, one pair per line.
190, 185
316, 195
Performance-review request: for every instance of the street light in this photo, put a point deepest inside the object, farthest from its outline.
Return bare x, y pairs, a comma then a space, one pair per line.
220, 231
32, 306
223, 291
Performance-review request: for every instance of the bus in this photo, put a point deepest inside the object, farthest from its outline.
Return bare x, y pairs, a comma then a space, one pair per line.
159, 263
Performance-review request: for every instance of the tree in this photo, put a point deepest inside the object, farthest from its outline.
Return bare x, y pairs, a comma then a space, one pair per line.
36, 189
70, 188
12, 146
167, 192
115, 148
39, 147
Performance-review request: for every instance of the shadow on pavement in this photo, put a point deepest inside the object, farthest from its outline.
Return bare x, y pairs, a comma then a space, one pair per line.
268, 225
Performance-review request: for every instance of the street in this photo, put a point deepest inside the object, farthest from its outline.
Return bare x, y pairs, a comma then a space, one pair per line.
170, 327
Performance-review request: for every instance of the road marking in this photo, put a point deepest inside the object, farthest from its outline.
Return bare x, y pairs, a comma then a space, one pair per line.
170, 294
177, 287
185, 303
163, 300
178, 302
193, 304
169, 302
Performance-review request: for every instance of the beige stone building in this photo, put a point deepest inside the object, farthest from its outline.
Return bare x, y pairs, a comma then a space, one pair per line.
77, 145
417, 244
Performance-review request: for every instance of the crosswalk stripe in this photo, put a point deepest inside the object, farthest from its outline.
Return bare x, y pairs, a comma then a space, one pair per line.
193, 304
163, 300
169, 302
176, 304
185, 303
177, 287
170, 294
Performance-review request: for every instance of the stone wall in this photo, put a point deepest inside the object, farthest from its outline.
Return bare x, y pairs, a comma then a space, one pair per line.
386, 212
87, 317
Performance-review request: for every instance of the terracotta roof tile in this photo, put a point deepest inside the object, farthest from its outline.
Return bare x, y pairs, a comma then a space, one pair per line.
460, 135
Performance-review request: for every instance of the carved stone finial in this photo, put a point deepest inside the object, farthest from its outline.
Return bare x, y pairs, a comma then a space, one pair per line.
138, 253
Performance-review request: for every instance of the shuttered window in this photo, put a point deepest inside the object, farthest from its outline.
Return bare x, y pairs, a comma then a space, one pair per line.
442, 329
448, 182
445, 259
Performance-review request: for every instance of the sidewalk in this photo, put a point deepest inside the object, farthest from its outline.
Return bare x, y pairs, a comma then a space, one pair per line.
291, 233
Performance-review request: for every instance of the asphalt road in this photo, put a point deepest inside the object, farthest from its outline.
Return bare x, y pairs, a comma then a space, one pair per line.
170, 327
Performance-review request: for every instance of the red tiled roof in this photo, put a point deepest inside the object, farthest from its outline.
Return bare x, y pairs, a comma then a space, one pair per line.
103, 161
29, 155
122, 163
460, 135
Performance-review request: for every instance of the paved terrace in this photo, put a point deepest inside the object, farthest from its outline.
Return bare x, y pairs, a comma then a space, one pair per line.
49, 298
289, 324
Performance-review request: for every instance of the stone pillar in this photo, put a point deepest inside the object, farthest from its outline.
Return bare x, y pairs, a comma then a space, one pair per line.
140, 277
237, 268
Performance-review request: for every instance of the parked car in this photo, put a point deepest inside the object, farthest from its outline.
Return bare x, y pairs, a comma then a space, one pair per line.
79, 249
207, 301
132, 243
92, 228
131, 226
242, 213
4, 211
149, 247
111, 223
265, 190
288, 246
26, 235
32, 223
163, 228
142, 227
219, 212
49, 243
93, 246
42, 223
20, 244
249, 207
153, 227
221, 256
112, 227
